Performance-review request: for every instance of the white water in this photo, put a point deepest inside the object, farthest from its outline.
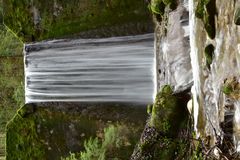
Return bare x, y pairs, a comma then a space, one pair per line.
118, 69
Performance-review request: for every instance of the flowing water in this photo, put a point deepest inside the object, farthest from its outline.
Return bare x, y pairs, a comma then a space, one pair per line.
118, 69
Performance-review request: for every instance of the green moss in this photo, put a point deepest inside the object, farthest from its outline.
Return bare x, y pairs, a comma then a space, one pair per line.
209, 54
231, 88
206, 11
163, 109
22, 138
157, 7
61, 19
149, 109
227, 89
237, 16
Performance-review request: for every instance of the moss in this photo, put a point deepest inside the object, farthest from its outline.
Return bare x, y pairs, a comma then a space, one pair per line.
209, 54
237, 16
227, 89
163, 109
231, 87
149, 109
157, 7
22, 138
161, 138
206, 11
60, 19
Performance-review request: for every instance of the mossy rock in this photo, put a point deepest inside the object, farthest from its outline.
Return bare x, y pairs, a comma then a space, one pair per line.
168, 112
47, 19
237, 17
168, 119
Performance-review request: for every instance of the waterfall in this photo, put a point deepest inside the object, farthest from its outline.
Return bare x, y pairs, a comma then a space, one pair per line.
117, 69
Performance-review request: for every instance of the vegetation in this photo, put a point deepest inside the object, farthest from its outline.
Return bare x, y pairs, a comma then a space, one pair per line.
231, 88
98, 149
11, 79
9, 44
22, 136
206, 11
54, 19
158, 6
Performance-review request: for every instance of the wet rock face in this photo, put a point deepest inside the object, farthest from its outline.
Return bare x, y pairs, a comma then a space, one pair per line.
172, 48
212, 69
46, 19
